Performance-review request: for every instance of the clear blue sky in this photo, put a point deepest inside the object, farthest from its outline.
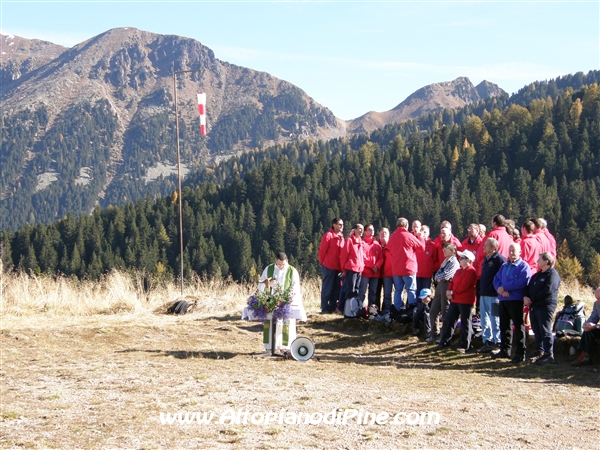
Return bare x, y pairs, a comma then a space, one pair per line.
352, 57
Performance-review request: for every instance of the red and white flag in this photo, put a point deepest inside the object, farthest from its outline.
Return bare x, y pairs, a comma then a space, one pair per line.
202, 111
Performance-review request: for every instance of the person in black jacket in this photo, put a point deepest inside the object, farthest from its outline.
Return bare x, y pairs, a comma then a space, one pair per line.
541, 295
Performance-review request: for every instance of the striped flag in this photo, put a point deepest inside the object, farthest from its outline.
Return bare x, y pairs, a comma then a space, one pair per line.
202, 111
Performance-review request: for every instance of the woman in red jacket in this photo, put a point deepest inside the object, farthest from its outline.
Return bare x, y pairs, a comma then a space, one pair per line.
352, 262
373, 263
426, 261
461, 292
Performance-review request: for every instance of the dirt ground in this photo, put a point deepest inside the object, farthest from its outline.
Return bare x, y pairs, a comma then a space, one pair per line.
103, 381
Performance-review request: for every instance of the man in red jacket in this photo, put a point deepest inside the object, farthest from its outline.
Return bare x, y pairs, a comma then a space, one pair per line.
387, 278
445, 237
530, 246
461, 292
499, 233
352, 262
426, 261
403, 247
549, 236
545, 245
473, 241
329, 258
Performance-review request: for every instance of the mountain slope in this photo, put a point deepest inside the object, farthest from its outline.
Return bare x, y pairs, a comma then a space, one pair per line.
118, 88
451, 94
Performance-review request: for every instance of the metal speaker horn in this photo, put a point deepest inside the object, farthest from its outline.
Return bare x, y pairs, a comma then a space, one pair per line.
302, 349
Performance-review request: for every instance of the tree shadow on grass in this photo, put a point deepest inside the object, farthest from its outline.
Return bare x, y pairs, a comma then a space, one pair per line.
226, 318
353, 341
186, 354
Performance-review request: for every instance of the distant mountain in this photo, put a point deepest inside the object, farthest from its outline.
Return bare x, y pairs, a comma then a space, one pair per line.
451, 94
94, 124
21, 56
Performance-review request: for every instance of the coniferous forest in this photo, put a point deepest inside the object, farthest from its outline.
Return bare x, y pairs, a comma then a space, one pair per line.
534, 155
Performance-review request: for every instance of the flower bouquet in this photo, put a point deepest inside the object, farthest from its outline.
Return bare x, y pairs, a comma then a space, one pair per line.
277, 302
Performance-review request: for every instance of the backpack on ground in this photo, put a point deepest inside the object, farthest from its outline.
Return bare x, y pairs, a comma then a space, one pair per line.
404, 315
352, 309
180, 307
569, 321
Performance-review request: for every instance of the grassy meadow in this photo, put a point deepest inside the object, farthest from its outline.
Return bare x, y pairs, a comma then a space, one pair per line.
94, 364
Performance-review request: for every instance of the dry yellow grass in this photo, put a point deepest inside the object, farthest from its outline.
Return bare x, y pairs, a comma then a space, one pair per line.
23, 295
29, 296
92, 365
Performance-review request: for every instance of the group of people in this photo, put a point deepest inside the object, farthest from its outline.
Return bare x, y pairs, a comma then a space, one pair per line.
505, 272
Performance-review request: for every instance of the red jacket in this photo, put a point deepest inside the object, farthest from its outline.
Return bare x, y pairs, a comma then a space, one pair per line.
463, 286
387, 262
472, 247
330, 248
544, 242
552, 242
373, 257
530, 251
440, 250
504, 241
352, 256
426, 260
403, 246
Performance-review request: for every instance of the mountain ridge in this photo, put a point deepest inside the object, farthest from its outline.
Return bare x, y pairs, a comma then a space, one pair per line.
123, 79
449, 94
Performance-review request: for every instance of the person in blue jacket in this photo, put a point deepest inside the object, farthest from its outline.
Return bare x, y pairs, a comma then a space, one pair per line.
510, 283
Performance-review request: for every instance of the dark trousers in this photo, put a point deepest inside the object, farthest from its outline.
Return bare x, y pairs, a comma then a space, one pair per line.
477, 295
587, 340
351, 287
330, 289
421, 314
439, 304
512, 310
541, 324
423, 283
388, 284
456, 310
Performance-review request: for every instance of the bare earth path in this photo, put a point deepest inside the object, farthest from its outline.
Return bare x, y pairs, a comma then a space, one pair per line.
102, 382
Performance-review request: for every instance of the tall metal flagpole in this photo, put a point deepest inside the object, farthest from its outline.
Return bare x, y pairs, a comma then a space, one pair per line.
179, 175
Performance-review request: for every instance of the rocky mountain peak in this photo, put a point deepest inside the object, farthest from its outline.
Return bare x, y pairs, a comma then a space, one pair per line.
447, 94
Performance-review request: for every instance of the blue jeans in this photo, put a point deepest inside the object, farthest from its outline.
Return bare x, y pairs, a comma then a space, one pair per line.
368, 285
388, 283
489, 324
408, 281
330, 289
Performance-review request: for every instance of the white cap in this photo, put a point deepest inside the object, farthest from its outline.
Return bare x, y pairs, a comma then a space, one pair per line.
467, 254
